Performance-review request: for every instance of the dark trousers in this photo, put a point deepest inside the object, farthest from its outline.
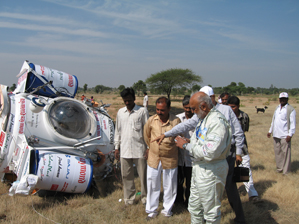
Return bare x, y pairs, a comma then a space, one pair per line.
184, 174
232, 190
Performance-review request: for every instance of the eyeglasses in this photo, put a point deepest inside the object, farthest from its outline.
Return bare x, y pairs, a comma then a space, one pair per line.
199, 107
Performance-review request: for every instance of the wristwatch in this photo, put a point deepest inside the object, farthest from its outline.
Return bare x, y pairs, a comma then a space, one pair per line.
185, 145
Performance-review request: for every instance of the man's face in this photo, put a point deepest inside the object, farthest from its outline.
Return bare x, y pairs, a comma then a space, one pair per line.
162, 110
188, 111
224, 99
283, 101
235, 108
129, 102
196, 108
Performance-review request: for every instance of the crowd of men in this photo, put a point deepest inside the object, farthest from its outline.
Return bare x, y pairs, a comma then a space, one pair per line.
199, 147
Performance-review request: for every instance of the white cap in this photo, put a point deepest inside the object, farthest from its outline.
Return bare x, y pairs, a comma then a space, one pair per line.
283, 95
207, 90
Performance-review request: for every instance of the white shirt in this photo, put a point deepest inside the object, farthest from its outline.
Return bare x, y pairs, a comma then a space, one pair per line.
128, 135
279, 126
145, 100
184, 157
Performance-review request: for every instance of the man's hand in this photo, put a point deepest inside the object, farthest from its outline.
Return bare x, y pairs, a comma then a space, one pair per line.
146, 154
238, 160
116, 154
179, 141
288, 138
159, 139
269, 135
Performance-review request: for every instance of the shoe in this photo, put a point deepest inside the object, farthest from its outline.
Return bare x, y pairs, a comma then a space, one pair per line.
255, 199
148, 218
165, 214
151, 216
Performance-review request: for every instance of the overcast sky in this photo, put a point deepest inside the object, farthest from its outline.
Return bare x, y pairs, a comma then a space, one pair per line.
120, 42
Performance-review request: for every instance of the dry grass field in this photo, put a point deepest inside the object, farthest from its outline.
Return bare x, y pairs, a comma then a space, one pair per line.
280, 194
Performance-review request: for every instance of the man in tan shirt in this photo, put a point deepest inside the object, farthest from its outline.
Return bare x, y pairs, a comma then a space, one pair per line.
161, 157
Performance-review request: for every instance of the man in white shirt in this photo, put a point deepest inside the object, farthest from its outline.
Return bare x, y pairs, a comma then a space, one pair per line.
185, 162
283, 128
145, 100
130, 146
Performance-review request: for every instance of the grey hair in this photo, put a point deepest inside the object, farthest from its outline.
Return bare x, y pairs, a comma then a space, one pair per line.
207, 100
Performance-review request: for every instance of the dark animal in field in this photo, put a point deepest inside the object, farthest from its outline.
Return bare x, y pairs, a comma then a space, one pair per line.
261, 109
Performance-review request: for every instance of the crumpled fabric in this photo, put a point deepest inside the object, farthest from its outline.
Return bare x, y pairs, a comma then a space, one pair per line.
25, 186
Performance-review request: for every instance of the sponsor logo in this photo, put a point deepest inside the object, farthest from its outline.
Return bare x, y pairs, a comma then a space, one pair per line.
111, 130
42, 68
52, 73
26, 168
12, 122
98, 130
59, 166
22, 78
44, 160
2, 137
54, 187
41, 170
22, 118
17, 151
82, 162
23, 107
36, 120
61, 75
96, 115
104, 124
71, 81
7, 142
65, 185
50, 164
68, 170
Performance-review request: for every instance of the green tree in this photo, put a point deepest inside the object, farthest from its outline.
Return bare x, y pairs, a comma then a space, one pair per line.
139, 87
101, 88
121, 88
250, 89
166, 80
242, 88
85, 88
196, 88
13, 87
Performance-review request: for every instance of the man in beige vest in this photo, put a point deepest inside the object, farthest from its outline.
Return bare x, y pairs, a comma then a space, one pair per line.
283, 128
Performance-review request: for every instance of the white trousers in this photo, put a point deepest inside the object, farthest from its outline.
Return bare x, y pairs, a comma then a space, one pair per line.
249, 186
207, 187
154, 187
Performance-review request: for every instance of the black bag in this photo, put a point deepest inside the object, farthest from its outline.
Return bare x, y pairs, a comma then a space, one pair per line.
241, 174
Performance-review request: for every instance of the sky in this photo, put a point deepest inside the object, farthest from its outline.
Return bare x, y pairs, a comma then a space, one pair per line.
118, 42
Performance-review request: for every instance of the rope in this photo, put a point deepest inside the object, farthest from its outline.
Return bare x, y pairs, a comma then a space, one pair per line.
42, 214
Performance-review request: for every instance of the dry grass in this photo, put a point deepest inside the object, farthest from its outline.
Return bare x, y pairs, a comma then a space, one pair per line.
280, 193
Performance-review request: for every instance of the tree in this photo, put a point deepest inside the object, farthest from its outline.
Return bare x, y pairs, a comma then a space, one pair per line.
101, 88
166, 80
13, 87
121, 88
139, 87
196, 88
85, 88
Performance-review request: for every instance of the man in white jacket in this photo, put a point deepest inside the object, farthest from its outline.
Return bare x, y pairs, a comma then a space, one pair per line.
209, 146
